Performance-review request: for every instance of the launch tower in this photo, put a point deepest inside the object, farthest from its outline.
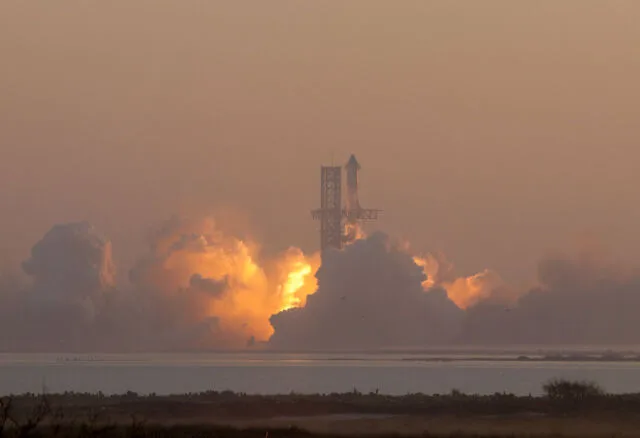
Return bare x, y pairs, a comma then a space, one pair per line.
339, 224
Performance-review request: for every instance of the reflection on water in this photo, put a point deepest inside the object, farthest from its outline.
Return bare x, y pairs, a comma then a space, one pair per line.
303, 373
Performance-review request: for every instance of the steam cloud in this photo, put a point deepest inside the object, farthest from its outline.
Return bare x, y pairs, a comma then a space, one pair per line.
205, 288
201, 287
72, 262
580, 300
369, 295
72, 274
463, 291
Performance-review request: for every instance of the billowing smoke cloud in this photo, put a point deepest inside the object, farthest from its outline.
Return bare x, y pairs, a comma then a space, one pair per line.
198, 287
201, 286
580, 300
205, 288
463, 291
369, 295
72, 277
72, 264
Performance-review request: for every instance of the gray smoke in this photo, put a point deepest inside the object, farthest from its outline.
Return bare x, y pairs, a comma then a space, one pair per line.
579, 300
71, 262
174, 296
72, 303
369, 296
72, 282
209, 286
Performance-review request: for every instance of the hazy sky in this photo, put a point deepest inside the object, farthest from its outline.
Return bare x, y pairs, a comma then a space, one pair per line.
491, 130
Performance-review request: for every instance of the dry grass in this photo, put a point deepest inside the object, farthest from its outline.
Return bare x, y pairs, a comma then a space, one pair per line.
570, 413
442, 425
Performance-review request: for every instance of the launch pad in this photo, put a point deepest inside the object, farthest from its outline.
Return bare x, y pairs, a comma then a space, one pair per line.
339, 223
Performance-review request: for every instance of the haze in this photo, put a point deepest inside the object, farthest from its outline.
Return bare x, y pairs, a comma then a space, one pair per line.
494, 131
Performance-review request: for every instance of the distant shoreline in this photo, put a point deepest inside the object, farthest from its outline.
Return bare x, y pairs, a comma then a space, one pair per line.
524, 358
453, 357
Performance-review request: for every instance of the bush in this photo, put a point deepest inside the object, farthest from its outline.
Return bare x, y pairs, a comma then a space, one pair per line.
566, 390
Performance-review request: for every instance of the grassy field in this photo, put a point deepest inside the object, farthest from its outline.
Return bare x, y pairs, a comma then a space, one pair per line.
568, 409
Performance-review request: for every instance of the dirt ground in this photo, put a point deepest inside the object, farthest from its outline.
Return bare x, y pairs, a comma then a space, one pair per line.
414, 425
352, 414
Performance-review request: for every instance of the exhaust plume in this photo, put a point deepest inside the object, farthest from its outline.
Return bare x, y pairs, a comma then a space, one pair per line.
198, 277
465, 292
202, 287
580, 300
71, 268
71, 290
369, 296
71, 260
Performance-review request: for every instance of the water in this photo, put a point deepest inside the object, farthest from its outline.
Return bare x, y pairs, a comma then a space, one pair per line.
284, 373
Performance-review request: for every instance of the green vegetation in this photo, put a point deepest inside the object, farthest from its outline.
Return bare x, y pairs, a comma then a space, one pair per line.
564, 390
565, 404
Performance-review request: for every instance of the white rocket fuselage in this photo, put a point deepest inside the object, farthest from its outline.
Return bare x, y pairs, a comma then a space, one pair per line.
352, 203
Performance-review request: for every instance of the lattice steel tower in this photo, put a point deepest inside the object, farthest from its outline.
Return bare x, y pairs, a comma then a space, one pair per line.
330, 212
338, 222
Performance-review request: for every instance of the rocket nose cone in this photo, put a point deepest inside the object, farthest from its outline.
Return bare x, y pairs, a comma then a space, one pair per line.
352, 163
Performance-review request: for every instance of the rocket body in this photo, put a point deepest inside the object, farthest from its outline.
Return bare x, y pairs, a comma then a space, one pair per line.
352, 204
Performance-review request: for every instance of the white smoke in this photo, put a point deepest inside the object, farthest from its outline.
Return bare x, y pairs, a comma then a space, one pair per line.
369, 296
465, 292
199, 287
72, 268
205, 288
72, 285
580, 300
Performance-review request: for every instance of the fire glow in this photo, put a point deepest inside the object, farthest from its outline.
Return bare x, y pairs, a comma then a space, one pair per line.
224, 282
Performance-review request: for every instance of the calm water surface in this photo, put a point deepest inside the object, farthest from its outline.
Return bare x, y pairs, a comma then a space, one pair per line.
284, 373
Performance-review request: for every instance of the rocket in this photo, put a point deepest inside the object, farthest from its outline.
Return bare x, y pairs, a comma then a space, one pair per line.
340, 214
352, 204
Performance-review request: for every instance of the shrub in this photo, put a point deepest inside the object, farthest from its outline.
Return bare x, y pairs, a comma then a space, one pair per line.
566, 390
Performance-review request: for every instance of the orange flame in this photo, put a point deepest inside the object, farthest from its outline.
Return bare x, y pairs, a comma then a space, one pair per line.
353, 231
298, 278
463, 291
247, 289
429, 281
253, 289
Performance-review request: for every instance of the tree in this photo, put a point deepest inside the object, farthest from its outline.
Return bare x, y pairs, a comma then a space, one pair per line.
566, 390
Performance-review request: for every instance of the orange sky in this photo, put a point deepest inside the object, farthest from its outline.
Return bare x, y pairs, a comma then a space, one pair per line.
493, 131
